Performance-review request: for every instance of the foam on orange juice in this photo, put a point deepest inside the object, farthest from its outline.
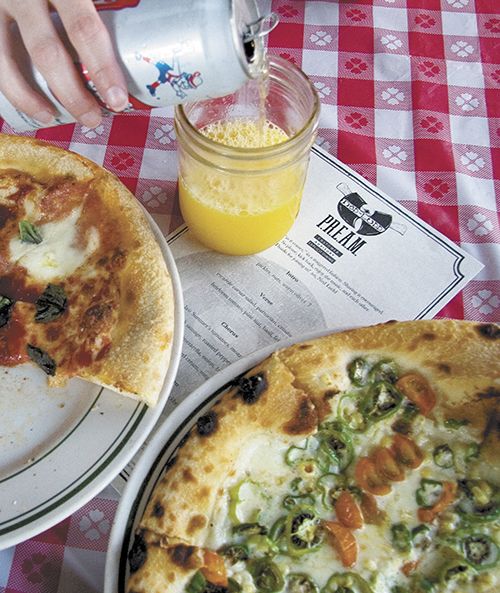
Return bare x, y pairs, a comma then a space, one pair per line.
240, 213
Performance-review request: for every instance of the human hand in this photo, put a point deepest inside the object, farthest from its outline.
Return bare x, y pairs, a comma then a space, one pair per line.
90, 39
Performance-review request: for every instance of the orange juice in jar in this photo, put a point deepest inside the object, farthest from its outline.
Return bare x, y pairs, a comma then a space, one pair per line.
243, 160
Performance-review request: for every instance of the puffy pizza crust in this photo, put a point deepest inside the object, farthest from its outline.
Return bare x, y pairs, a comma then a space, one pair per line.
142, 339
461, 360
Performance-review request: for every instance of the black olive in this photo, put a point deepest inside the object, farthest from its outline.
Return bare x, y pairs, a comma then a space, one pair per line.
207, 424
251, 388
138, 553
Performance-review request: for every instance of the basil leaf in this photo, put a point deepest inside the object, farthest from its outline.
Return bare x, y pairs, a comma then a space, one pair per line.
42, 359
29, 233
51, 304
5, 309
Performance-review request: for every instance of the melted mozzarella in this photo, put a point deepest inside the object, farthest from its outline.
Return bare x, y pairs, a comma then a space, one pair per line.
56, 255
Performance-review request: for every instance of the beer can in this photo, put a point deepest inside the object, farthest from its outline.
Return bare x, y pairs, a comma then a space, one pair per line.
171, 52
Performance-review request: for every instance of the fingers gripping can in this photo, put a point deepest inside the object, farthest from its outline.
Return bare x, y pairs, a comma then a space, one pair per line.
171, 52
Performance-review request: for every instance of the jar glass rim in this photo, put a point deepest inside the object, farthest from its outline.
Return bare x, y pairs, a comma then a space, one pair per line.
238, 152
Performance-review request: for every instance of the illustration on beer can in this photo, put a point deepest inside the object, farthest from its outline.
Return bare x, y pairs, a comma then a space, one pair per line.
171, 52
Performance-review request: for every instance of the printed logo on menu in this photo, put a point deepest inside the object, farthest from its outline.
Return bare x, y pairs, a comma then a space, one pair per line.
115, 4
349, 231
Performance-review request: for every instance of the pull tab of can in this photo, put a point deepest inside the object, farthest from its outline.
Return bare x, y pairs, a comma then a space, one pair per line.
261, 27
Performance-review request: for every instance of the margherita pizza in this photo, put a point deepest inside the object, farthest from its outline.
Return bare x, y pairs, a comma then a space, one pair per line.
362, 462
84, 289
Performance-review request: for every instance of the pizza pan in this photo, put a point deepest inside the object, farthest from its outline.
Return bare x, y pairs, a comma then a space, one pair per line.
62, 446
155, 457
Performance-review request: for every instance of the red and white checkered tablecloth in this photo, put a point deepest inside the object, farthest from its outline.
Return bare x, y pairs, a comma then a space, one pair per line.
410, 93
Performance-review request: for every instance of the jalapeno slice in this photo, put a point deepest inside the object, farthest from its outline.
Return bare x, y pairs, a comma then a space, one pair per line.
428, 493
358, 371
335, 450
443, 456
235, 552
456, 571
384, 370
346, 582
303, 531
381, 401
401, 537
266, 575
420, 536
298, 582
480, 551
479, 501
250, 529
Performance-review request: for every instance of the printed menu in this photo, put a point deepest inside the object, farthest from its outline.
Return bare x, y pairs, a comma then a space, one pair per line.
354, 257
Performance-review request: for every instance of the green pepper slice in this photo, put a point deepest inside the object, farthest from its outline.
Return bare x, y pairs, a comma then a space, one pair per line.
358, 371
335, 450
479, 501
235, 552
303, 531
290, 501
428, 493
456, 571
384, 370
480, 551
381, 401
346, 582
443, 456
401, 537
349, 413
266, 575
298, 582
420, 536
250, 529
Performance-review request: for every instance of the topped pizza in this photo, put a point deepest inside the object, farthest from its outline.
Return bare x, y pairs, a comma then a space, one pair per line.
84, 288
361, 462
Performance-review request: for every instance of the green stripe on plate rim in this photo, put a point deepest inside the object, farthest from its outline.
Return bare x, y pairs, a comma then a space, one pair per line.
67, 495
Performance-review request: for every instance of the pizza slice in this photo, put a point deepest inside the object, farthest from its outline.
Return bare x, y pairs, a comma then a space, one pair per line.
84, 288
361, 462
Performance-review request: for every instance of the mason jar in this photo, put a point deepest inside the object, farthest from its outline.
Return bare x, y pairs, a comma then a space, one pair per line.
243, 160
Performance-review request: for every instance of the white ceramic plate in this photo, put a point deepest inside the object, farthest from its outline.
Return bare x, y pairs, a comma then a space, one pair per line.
61, 447
155, 457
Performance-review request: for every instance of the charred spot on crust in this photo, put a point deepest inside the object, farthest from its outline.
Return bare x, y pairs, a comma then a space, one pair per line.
184, 556
251, 388
158, 510
207, 424
305, 346
138, 552
187, 475
490, 331
196, 523
444, 368
490, 393
304, 420
329, 393
429, 336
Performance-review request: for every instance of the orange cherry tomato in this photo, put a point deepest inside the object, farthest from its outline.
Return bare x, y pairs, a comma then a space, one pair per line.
447, 497
369, 479
371, 513
344, 542
387, 465
348, 511
417, 389
406, 451
214, 569
409, 567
